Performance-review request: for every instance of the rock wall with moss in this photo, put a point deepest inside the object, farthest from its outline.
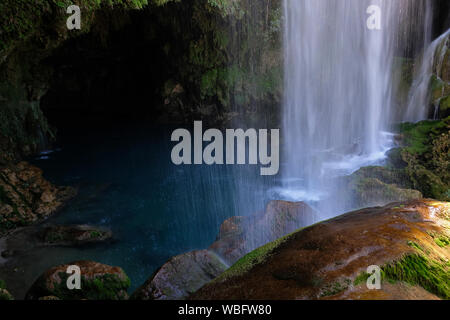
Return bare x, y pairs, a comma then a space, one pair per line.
221, 58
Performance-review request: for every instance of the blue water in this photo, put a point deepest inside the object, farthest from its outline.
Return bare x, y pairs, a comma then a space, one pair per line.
155, 209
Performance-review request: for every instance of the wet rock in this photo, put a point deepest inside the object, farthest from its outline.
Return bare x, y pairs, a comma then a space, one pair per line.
329, 260
230, 243
26, 197
240, 235
284, 217
375, 186
73, 235
98, 282
373, 192
395, 160
8, 253
181, 276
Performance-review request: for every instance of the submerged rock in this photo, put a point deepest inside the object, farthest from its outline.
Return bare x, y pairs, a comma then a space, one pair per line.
409, 241
181, 276
98, 282
73, 235
26, 197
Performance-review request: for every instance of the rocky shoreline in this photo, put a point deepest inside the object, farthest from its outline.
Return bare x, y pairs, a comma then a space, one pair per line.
410, 241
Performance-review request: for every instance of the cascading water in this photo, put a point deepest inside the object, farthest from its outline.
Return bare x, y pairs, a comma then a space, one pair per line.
338, 89
419, 96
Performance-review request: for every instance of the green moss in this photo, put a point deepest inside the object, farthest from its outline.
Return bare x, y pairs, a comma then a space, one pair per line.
2, 284
417, 269
335, 288
427, 157
415, 245
440, 239
96, 234
253, 258
444, 107
361, 278
101, 287
372, 191
418, 135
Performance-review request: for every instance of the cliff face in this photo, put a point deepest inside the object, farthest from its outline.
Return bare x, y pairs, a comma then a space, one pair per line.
179, 60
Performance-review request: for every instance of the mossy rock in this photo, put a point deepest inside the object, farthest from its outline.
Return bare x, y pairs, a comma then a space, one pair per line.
327, 260
386, 175
417, 269
444, 107
98, 282
427, 154
373, 192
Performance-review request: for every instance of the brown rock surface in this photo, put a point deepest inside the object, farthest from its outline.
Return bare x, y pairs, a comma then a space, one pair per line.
26, 197
324, 261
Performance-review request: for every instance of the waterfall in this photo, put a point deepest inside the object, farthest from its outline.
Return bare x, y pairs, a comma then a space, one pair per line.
339, 87
419, 96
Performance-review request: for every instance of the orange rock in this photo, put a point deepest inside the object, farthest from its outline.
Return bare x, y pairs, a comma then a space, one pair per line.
322, 261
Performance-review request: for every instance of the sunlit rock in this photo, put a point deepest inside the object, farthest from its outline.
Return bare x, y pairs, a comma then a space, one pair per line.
409, 242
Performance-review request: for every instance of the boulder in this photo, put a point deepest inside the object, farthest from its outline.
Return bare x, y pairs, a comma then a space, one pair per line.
26, 197
373, 192
408, 241
284, 217
73, 235
181, 276
98, 282
230, 243
378, 186
240, 235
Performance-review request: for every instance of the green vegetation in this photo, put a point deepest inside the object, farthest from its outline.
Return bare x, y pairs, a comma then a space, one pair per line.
415, 245
253, 258
100, 287
335, 288
441, 240
419, 269
427, 156
416, 269
419, 135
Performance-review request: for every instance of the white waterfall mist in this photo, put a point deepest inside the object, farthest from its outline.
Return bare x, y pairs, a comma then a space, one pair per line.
339, 87
419, 95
